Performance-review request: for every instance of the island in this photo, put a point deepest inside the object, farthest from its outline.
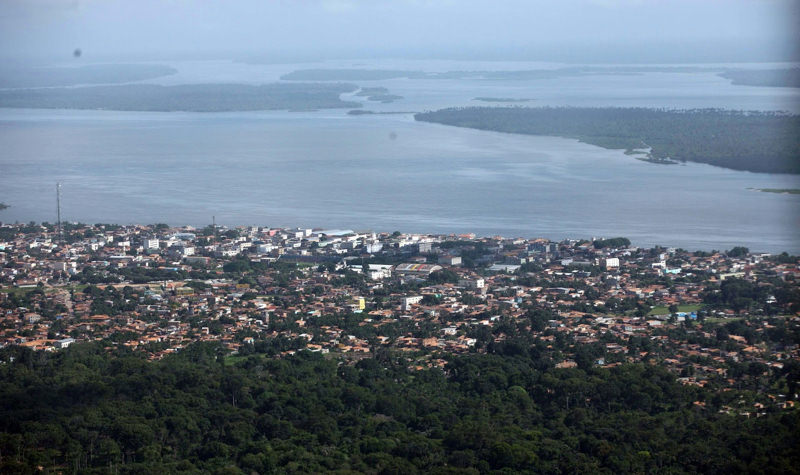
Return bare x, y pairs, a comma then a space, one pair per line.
73, 76
192, 98
766, 142
378, 94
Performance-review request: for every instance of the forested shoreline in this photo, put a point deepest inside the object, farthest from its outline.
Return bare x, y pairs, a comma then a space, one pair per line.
93, 410
189, 97
767, 142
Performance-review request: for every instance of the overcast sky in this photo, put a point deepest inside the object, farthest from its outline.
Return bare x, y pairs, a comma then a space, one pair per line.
552, 30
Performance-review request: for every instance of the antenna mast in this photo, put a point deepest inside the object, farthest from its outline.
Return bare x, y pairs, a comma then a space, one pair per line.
58, 207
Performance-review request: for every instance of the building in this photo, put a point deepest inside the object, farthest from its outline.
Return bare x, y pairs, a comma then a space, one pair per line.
417, 270
408, 302
612, 263
476, 283
64, 342
380, 271
450, 260
424, 247
507, 268
373, 247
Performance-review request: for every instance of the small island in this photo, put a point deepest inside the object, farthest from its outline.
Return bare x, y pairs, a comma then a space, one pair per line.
378, 94
765, 142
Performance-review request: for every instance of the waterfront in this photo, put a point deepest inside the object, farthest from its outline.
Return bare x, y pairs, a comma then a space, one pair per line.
387, 172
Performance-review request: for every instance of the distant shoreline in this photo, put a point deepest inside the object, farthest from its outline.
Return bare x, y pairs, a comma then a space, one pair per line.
761, 142
185, 98
780, 191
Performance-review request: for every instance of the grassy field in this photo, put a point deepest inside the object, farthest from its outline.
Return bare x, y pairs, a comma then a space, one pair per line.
721, 319
661, 310
16, 290
231, 360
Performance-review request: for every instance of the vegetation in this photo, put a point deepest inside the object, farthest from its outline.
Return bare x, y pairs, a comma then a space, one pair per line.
617, 242
754, 141
738, 251
196, 97
661, 310
378, 94
764, 77
85, 410
371, 91
385, 98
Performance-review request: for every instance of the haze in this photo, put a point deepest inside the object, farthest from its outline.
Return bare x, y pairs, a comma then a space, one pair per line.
568, 31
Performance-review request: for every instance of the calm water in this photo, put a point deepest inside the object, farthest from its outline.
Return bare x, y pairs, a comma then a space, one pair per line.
388, 172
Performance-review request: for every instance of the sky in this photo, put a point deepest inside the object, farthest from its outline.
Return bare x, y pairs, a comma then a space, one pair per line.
551, 30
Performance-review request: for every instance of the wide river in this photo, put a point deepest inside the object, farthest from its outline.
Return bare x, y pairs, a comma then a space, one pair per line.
388, 172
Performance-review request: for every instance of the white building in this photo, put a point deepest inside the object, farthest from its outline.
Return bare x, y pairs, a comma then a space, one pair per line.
64, 343
450, 260
476, 283
612, 262
407, 302
380, 271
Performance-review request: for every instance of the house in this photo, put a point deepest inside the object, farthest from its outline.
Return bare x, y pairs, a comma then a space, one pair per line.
63, 343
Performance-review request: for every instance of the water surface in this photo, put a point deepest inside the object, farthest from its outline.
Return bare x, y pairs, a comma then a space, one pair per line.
388, 172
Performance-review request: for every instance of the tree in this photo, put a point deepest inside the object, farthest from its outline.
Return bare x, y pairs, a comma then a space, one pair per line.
673, 308
738, 251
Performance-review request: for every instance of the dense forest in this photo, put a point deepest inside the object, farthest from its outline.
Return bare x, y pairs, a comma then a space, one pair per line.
89, 409
754, 141
196, 98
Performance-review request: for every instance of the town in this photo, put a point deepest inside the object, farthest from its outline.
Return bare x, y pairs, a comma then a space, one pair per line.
723, 318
